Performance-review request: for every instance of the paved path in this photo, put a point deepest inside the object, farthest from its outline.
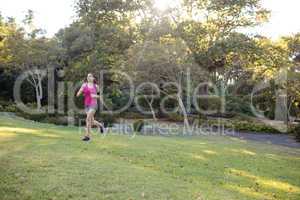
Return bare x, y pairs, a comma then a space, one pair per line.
277, 139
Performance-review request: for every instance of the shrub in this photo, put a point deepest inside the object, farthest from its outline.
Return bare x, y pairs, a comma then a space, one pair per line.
5, 103
210, 104
138, 125
33, 117
79, 119
252, 127
296, 131
132, 115
235, 104
8, 106
11, 108
240, 125
175, 117
107, 119
223, 115
202, 116
63, 121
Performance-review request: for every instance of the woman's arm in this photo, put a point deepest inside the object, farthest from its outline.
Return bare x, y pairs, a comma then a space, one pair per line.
80, 90
98, 90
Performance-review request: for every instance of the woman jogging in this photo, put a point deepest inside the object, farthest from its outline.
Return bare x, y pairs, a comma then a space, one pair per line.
90, 90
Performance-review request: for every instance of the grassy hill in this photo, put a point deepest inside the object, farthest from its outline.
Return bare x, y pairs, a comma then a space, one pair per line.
41, 161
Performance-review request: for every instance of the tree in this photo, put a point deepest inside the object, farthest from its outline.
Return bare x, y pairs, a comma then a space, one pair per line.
212, 24
292, 46
26, 50
166, 64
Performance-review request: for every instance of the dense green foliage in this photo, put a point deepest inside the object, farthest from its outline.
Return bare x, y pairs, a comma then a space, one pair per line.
296, 131
156, 46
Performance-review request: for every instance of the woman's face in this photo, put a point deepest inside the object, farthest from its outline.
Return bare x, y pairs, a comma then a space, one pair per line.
90, 78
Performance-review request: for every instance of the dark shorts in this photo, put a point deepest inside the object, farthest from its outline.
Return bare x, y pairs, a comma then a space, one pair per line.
92, 108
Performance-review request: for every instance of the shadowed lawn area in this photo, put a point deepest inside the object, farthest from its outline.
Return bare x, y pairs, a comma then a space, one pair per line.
41, 161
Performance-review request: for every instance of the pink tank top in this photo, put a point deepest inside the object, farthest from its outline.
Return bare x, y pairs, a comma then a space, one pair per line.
88, 99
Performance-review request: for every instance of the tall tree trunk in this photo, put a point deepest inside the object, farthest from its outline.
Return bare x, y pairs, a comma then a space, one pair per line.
281, 110
38, 99
185, 116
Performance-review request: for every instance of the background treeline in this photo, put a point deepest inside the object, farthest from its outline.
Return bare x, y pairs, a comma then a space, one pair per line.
157, 46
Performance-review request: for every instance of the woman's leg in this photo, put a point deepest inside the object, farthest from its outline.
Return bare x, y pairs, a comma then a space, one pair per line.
99, 125
89, 123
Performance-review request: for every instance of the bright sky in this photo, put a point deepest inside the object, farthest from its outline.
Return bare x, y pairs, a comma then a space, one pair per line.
52, 15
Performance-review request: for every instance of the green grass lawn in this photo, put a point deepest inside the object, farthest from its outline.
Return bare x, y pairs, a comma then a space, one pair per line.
41, 161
